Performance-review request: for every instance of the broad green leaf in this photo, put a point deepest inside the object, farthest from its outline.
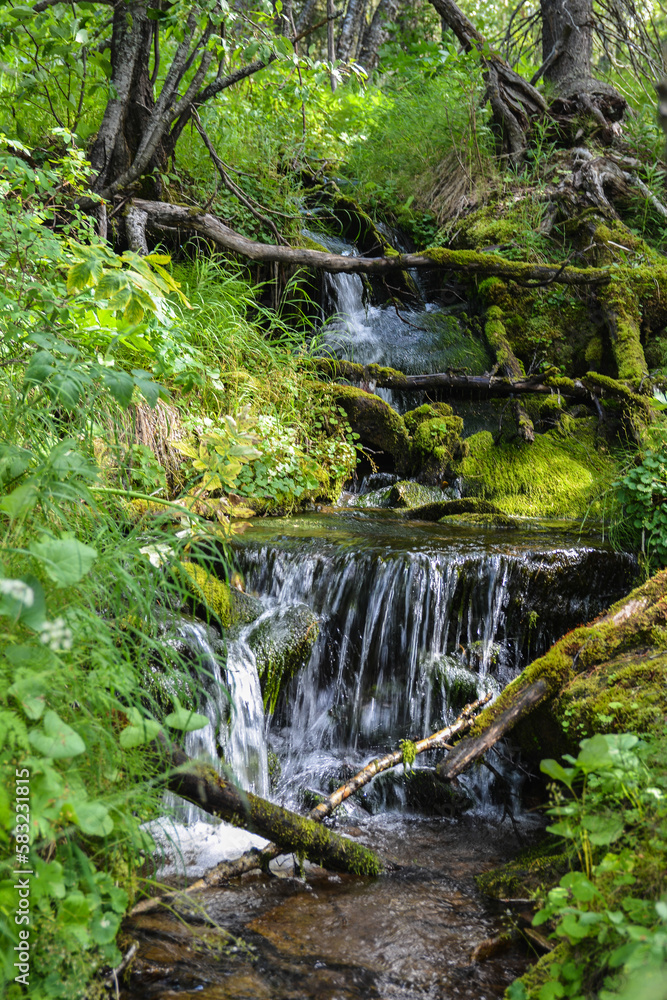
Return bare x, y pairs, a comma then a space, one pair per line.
20, 501
139, 733
30, 691
594, 754
56, 739
104, 927
66, 560
603, 830
85, 274
120, 385
555, 770
92, 818
184, 719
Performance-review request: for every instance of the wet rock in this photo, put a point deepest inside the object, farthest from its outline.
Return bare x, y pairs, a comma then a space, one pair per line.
378, 426
210, 596
484, 520
409, 495
281, 641
439, 508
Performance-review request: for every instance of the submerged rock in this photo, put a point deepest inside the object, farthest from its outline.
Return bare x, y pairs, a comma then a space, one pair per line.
409, 495
281, 641
442, 508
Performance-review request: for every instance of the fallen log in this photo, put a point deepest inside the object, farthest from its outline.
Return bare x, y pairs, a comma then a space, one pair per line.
484, 265
256, 858
472, 749
636, 623
586, 390
401, 756
200, 783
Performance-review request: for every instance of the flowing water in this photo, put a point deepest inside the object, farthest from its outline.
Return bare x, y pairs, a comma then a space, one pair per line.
414, 620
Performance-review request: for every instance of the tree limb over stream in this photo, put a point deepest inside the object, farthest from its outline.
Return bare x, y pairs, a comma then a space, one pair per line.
161, 214
209, 789
634, 629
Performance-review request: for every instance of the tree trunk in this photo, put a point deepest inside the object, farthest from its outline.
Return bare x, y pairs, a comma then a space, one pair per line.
201, 784
349, 29
129, 111
376, 33
567, 25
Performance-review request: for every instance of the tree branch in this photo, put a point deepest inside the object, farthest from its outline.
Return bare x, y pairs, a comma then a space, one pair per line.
162, 214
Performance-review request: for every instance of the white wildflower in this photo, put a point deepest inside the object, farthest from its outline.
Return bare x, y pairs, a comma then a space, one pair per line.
56, 635
19, 590
158, 554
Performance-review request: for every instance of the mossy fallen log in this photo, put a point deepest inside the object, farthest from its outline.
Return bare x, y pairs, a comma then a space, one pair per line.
635, 626
201, 784
162, 214
587, 389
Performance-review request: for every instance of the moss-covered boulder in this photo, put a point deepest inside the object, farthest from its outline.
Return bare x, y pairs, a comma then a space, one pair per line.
556, 476
408, 495
377, 424
436, 440
282, 641
209, 596
481, 520
438, 509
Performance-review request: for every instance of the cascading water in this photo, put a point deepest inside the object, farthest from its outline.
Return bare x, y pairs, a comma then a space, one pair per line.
412, 340
416, 619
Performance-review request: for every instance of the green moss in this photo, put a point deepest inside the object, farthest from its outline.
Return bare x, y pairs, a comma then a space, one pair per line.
532, 870
208, 591
624, 317
494, 330
438, 509
540, 973
552, 477
429, 411
434, 444
406, 495
488, 520
376, 423
594, 349
282, 644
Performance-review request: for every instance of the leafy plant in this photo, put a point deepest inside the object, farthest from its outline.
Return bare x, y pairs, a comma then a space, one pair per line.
642, 492
610, 804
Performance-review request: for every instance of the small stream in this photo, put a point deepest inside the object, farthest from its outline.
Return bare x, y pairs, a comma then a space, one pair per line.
413, 620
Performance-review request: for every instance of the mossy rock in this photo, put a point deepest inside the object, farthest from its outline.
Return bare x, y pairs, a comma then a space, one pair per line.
555, 476
376, 423
210, 596
439, 509
408, 495
376, 498
435, 442
429, 411
482, 520
282, 642
533, 870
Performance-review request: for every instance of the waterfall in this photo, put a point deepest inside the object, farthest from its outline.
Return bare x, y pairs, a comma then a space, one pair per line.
231, 698
416, 620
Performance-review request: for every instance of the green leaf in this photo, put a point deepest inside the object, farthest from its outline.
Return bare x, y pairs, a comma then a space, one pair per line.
104, 927
57, 739
555, 770
139, 733
120, 385
92, 818
30, 690
594, 754
85, 274
66, 560
20, 501
603, 829
187, 721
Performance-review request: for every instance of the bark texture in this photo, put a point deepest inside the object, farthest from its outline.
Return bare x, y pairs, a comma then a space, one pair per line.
567, 27
166, 215
201, 784
376, 33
